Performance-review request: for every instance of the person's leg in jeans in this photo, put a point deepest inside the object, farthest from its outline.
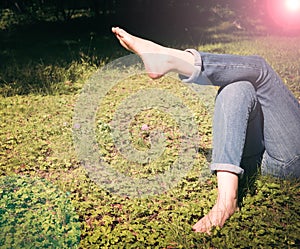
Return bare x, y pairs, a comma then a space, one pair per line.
280, 109
237, 127
237, 140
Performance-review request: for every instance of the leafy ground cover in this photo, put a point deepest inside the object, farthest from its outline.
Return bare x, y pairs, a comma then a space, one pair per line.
36, 142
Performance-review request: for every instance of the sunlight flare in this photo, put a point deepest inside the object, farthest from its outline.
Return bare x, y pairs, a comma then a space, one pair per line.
293, 5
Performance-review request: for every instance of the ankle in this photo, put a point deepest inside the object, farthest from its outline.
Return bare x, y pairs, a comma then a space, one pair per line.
158, 64
230, 205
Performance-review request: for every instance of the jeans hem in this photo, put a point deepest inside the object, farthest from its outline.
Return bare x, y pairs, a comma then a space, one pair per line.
198, 66
226, 167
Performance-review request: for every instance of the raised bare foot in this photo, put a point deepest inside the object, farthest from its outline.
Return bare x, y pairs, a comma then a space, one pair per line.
158, 60
155, 57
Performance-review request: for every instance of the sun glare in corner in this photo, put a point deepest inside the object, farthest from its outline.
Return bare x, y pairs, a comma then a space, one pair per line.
285, 14
293, 5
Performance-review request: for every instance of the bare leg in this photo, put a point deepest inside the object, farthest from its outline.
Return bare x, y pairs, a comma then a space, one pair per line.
158, 60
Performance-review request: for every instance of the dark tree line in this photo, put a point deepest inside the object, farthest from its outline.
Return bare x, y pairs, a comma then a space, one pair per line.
61, 9
188, 11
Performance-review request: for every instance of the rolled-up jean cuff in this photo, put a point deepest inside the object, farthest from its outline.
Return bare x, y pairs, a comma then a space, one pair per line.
197, 64
226, 167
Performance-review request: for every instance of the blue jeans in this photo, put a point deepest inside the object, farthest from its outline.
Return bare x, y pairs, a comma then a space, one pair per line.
255, 117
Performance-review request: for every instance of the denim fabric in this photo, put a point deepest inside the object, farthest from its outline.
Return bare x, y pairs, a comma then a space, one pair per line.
237, 129
279, 108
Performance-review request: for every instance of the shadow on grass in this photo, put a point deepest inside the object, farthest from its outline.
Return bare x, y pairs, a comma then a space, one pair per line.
29, 52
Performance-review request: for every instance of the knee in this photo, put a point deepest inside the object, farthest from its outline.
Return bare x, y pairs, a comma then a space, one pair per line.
237, 92
260, 60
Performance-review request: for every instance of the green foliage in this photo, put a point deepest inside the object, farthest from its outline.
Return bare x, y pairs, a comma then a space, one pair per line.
44, 79
154, 120
8, 19
34, 214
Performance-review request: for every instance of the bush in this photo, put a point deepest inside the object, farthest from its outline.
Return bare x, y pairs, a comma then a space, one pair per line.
35, 214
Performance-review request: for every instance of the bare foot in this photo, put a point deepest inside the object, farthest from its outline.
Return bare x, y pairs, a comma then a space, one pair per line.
154, 56
158, 60
225, 206
215, 218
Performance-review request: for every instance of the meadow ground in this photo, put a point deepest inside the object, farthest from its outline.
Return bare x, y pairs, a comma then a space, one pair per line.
41, 80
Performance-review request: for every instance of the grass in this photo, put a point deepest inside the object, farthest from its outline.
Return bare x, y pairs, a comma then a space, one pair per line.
36, 140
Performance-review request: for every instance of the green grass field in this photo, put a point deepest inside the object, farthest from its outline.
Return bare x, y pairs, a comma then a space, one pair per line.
39, 88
